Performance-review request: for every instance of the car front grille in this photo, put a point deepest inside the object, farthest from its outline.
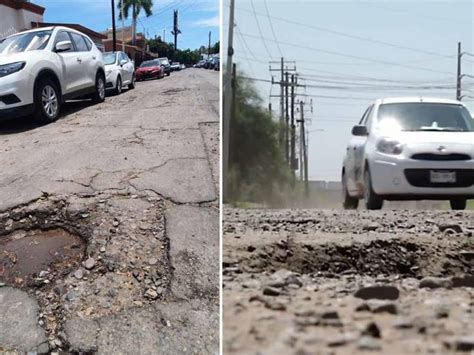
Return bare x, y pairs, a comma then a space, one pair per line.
421, 178
441, 157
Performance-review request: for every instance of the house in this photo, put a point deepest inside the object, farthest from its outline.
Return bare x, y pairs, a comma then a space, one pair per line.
138, 52
96, 37
17, 15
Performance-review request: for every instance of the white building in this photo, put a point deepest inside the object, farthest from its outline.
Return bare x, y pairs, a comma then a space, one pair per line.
18, 15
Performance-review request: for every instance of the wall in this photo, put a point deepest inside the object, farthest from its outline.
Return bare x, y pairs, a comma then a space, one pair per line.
13, 20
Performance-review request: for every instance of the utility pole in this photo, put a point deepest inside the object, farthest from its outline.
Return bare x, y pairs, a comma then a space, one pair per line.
227, 100
304, 149
458, 81
292, 126
287, 119
114, 36
164, 35
209, 46
123, 26
176, 30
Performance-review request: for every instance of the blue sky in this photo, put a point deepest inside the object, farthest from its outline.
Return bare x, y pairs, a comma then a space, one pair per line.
197, 18
305, 31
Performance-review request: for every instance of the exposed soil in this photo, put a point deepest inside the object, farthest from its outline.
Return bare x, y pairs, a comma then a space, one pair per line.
337, 282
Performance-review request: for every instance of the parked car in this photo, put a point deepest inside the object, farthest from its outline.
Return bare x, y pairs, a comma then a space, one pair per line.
165, 63
217, 64
41, 68
150, 69
183, 66
119, 71
199, 64
410, 149
175, 66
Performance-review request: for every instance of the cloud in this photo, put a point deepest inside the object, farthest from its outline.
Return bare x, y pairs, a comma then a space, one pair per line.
208, 22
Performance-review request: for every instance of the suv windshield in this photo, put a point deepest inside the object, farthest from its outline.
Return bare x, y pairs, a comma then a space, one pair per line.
421, 116
164, 61
25, 42
110, 58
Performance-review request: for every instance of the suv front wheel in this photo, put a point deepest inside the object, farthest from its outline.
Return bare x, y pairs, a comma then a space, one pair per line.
47, 101
349, 203
99, 94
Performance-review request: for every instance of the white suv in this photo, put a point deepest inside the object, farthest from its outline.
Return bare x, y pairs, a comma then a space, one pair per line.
410, 149
41, 68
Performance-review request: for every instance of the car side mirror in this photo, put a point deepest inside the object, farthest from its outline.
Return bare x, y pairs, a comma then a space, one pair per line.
63, 46
360, 131
123, 62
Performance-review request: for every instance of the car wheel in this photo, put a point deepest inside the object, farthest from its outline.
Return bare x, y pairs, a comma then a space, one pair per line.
372, 200
99, 94
349, 203
131, 86
47, 101
458, 203
168, 73
118, 88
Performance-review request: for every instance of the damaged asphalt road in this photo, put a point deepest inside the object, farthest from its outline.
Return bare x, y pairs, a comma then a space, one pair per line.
348, 282
109, 223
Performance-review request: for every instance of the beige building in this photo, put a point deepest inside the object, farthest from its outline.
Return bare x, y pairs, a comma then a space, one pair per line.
18, 15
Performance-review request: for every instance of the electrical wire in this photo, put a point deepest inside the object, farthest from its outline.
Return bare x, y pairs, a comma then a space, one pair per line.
271, 26
260, 31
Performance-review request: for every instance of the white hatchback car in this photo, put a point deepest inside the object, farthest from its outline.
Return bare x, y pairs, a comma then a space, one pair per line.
41, 68
410, 149
119, 71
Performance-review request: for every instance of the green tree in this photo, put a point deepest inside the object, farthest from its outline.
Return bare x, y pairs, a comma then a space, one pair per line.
216, 47
257, 169
136, 6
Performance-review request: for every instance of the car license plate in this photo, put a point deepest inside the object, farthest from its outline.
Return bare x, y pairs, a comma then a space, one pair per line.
438, 177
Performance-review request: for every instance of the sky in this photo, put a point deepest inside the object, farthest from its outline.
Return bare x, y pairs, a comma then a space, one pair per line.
196, 18
354, 52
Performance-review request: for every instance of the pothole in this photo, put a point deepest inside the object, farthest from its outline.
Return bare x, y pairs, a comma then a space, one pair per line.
387, 257
36, 257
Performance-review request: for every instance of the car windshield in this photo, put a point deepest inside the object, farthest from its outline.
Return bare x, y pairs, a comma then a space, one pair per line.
422, 116
150, 63
110, 58
24, 42
164, 61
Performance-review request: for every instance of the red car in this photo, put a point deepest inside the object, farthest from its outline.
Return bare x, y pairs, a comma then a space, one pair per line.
150, 69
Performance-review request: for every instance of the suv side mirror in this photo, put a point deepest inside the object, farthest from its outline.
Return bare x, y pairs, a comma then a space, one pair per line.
63, 46
123, 62
360, 131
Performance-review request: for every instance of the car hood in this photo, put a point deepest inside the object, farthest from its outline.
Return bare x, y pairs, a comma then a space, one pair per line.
17, 57
437, 142
436, 137
148, 69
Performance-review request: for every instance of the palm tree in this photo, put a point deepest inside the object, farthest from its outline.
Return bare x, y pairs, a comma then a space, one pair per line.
136, 6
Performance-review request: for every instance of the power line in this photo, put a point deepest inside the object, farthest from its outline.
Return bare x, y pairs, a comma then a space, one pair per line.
271, 26
351, 56
343, 34
260, 31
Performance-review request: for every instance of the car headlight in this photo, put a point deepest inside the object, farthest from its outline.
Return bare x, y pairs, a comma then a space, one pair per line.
389, 146
11, 68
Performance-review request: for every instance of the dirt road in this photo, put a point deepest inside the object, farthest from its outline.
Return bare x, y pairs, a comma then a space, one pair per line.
109, 228
342, 282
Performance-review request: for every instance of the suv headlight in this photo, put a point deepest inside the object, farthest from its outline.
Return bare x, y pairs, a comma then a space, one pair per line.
389, 146
7, 69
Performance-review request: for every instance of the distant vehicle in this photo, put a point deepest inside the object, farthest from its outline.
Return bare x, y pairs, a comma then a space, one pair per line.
410, 149
165, 63
183, 66
175, 66
119, 71
41, 68
217, 64
150, 69
199, 64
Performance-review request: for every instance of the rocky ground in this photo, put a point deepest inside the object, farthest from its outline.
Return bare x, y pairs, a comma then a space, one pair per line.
109, 224
345, 282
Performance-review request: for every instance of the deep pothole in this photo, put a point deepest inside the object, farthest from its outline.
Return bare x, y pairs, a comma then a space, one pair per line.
30, 258
378, 257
